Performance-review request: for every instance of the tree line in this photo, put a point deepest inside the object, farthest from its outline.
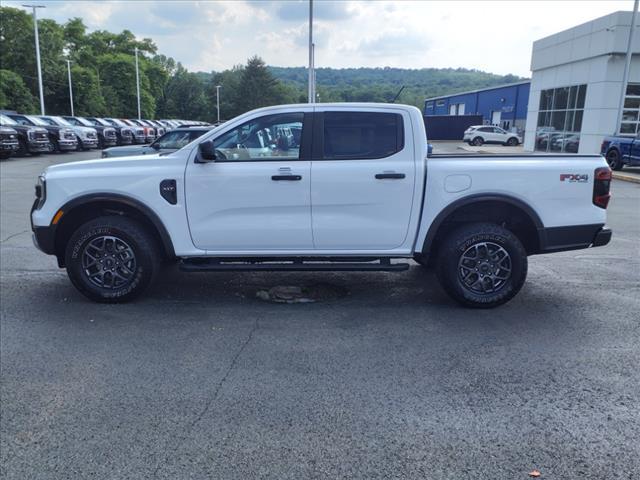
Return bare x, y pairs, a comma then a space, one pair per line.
104, 78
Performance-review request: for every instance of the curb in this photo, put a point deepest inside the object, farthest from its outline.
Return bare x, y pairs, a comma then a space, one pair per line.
626, 178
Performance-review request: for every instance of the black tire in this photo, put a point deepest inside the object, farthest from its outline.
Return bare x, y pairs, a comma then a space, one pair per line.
478, 141
4, 155
23, 151
513, 142
614, 159
451, 266
140, 269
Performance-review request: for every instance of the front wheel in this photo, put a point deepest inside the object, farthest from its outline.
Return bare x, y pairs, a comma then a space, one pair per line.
111, 259
614, 160
482, 265
513, 142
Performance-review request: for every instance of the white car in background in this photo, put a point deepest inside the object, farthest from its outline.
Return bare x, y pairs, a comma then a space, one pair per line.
479, 134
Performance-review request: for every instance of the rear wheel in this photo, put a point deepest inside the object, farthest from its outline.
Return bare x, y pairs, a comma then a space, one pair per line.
112, 259
478, 141
614, 160
482, 265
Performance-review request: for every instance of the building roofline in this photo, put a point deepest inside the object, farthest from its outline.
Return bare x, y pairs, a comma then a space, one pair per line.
478, 90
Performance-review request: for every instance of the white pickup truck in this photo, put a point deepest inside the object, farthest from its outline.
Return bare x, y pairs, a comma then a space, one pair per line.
319, 187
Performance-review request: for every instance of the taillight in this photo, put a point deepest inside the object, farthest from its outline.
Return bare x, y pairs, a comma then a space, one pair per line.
601, 187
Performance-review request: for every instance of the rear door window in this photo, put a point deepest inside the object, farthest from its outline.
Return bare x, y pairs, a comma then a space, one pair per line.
361, 135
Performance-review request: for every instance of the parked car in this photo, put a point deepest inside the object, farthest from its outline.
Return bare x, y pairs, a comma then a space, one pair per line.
107, 136
124, 134
479, 134
167, 143
61, 139
87, 136
241, 197
620, 150
33, 140
149, 131
8, 142
160, 129
137, 131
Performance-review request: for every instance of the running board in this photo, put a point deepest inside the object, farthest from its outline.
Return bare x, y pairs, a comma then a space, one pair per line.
290, 265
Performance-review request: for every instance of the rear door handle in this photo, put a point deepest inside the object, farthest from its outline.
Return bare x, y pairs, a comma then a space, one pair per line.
290, 178
393, 176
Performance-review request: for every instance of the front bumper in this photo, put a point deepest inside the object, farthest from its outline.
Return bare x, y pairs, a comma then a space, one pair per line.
140, 139
66, 144
39, 146
110, 141
9, 145
90, 143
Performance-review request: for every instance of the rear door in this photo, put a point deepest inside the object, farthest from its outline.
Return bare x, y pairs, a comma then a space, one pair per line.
362, 178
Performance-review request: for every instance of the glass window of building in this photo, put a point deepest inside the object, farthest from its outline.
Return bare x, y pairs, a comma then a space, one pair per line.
630, 121
560, 119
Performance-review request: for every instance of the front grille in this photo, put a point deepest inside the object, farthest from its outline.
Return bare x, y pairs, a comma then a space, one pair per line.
126, 133
91, 135
42, 136
109, 132
69, 135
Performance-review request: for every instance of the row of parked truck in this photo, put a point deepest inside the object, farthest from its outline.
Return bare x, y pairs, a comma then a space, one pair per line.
22, 134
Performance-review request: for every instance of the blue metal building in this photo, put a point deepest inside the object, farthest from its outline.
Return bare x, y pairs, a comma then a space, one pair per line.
504, 106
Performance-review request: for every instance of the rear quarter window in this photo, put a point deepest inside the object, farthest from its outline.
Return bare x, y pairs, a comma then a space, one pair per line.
361, 135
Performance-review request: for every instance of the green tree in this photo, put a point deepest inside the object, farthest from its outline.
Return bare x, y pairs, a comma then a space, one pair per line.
14, 94
258, 87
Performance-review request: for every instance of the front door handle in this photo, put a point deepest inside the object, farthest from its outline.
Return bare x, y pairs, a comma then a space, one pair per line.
290, 178
393, 176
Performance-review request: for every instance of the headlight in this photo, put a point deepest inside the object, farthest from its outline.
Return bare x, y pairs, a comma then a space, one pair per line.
41, 192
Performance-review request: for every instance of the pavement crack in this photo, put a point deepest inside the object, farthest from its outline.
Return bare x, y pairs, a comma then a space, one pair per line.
14, 235
214, 396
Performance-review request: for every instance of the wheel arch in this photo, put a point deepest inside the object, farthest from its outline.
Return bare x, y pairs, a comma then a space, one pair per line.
82, 209
515, 214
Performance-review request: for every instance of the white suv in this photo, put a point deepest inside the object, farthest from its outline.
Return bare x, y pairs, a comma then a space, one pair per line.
479, 134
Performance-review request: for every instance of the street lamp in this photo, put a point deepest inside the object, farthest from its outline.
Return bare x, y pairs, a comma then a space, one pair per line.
218, 101
35, 27
312, 80
138, 84
70, 88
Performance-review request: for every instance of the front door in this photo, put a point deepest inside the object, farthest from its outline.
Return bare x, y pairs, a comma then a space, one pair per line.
256, 194
362, 179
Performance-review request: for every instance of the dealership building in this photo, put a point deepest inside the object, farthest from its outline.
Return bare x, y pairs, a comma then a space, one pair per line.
573, 97
504, 106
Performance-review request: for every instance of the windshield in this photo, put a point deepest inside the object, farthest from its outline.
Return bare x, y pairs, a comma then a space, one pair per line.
116, 122
7, 121
49, 121
62, 121
35, 120
85, 122
98, 121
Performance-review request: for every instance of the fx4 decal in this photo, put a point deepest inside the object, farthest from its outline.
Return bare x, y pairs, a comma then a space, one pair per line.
574, 177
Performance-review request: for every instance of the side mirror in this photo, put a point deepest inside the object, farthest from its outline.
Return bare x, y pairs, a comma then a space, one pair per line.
206, 152
155, 146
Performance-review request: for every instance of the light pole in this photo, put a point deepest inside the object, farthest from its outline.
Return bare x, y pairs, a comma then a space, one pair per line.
311, 93
627, 64
70, 88
35, 28
138, 84
218, 101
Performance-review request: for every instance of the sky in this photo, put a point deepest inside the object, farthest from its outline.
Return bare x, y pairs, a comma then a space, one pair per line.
494, 36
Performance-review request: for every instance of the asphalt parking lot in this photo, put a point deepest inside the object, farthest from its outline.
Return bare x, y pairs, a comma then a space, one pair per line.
383, 377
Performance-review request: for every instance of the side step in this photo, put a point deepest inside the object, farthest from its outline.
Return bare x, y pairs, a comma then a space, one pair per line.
301, 264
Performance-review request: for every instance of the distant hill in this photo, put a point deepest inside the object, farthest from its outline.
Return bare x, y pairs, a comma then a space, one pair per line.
382, 84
